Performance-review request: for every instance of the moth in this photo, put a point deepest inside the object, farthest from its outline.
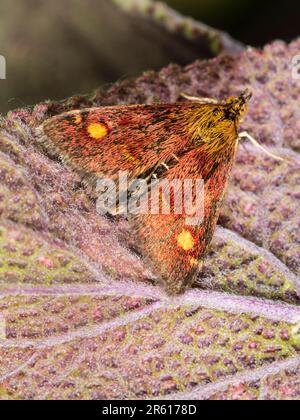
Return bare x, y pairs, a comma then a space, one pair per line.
196, 139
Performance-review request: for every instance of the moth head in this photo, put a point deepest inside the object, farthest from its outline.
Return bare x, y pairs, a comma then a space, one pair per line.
237, 106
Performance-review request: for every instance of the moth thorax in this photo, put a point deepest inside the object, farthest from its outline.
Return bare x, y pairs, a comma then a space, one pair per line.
220, 146
213, 132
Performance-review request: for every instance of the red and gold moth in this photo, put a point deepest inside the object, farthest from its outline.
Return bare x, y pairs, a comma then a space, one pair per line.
192, 140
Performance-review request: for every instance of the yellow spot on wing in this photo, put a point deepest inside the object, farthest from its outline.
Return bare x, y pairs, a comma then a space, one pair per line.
185, 240
127, 155
97, 130
78, 119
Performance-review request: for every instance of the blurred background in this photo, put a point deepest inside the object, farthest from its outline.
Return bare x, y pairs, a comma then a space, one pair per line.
55, 49
255, 22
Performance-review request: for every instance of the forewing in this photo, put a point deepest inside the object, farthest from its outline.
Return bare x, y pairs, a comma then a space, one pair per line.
104, 141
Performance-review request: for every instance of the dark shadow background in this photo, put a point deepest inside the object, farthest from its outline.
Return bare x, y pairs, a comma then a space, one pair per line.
58, 48
255, 22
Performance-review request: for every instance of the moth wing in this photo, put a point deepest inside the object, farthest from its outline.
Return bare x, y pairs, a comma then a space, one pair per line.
104, 141
173, 246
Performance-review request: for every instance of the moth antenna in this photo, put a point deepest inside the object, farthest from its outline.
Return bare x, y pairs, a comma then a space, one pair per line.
246, 135
200, 100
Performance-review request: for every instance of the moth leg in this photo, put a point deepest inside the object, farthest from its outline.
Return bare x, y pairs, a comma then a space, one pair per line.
175, 157
154, 174
246, 135
199, 100
197, 281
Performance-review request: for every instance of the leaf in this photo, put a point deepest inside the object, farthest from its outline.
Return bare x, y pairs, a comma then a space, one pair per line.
80, 313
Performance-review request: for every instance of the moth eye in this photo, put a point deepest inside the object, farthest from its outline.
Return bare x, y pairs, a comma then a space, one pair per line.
243, 109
